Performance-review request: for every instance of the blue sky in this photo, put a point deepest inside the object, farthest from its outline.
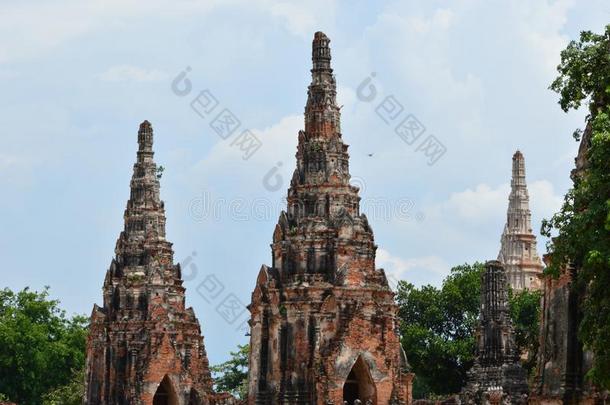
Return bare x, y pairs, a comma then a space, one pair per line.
77, 78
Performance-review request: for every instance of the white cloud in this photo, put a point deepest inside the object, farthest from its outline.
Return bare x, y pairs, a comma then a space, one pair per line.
428, 268
6, 162
539, 26
465, 227
440, 20
123, 73
543, 200
304, 18
484, 203
41, 27
226, 160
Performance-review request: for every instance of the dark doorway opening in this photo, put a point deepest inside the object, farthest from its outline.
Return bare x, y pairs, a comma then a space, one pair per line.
165, 394
194, 398
350, 388
359, 385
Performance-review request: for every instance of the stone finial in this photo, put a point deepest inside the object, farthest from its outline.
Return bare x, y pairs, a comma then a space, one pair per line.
518, 175
320, 52
145, 137
322, 115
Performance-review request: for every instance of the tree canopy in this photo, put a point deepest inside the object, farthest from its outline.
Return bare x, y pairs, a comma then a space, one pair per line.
437, 328
232, 375
582, 225
40, 347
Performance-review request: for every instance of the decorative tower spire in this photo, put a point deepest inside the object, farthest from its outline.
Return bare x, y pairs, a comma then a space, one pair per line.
320, 194
145, 212
145, 138
322, 115
518, 250
496, 367
144, 343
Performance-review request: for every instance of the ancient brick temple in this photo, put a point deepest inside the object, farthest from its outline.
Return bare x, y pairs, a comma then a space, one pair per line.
145, 347
497, 372
323, 319
518, 252
563, 362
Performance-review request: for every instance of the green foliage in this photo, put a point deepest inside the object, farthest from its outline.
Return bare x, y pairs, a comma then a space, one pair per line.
584, 72
438, 324
583, 223
160, 171
232, 375
525, 314
70, 394
39, 345
437, 329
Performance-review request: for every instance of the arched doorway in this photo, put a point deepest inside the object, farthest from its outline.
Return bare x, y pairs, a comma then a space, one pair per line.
165, 394
359, 384
194, 398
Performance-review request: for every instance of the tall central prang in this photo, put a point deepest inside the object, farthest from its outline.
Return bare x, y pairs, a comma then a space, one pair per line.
323, 319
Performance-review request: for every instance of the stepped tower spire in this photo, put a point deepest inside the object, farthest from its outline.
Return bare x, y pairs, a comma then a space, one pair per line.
320, 195
310, 307
145, 212
496, 367
322, 114
518, 250
144, 346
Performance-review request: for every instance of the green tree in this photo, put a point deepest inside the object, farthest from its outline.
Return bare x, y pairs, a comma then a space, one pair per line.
525, 314
582, 225
232, 375
39, 345
70, 394
437, 328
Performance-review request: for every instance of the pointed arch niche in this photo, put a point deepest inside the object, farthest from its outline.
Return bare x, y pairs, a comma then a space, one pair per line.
165, 395
359, 384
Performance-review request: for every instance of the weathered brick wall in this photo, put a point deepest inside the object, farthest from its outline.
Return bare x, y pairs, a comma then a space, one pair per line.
562, 362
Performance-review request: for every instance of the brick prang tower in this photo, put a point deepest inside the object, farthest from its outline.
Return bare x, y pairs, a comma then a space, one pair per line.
496, 367
323, 319
144, 346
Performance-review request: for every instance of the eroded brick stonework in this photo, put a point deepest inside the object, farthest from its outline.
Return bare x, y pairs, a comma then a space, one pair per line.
143, 341
323, 319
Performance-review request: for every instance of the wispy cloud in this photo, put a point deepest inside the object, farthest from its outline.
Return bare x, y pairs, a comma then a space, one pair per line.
124, 73
485, 202
429, 268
